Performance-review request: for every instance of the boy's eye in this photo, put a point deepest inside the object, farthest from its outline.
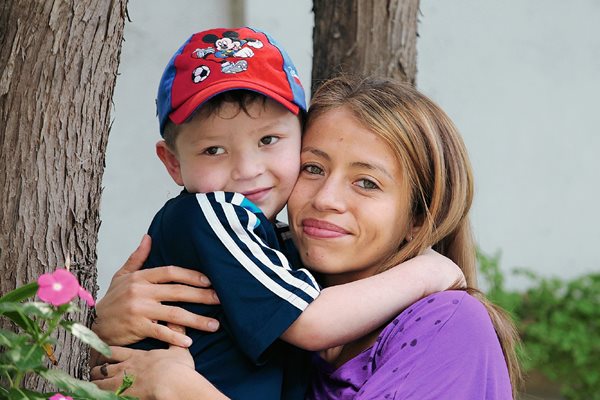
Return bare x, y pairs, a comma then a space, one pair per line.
312, 169
367, 184
267, 140
213, 151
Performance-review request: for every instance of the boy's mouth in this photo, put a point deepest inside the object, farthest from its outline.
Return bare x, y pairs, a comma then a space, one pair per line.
257, 195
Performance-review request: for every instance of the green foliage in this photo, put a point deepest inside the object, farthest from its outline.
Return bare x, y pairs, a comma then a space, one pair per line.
25, 352
559, 323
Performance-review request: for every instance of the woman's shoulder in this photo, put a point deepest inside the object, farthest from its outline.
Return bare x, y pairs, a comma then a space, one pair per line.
443, 326
437, 348
449, 303
427, 317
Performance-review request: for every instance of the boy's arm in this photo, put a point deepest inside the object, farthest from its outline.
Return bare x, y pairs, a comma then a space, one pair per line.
347, 312
229, 240
264, 299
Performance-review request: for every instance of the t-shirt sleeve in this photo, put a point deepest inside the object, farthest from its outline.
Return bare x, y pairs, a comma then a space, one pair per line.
444, 347
227, 238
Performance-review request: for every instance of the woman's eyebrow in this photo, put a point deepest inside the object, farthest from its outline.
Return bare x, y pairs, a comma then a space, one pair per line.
374, 167
316, 152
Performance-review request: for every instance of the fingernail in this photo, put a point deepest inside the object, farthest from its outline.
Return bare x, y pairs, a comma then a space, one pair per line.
213, 325
187, 342
214, 294
204, 279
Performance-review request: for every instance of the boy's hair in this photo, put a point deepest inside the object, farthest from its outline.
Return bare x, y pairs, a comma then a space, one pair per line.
218, 61
241, 98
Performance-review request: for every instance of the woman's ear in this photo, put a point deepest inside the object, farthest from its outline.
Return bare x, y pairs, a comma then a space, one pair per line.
170, 160
415, 225
411, 233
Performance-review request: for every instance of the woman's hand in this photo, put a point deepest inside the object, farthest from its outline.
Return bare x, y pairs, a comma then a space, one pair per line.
158, 374
154, 371
132, 305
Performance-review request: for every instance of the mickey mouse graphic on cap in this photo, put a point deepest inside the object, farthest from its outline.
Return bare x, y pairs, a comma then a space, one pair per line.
224, 48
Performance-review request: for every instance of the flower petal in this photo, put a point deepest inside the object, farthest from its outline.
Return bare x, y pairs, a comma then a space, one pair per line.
59, 396
45, 280
58, 288
86, 296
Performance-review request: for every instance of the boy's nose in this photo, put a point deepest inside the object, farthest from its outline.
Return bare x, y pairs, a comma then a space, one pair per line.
248, 166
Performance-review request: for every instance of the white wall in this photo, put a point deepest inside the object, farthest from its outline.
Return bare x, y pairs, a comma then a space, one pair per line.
519, 78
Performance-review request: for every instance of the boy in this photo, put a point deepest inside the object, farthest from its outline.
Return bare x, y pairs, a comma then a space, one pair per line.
230, 107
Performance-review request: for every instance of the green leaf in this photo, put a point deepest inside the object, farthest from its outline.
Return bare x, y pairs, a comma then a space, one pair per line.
38, 309
68, 308
87, 336
126, 383
24, 322
26, 356
20, 319
25, 394
8, 339
20, 293
17, 312
75, 387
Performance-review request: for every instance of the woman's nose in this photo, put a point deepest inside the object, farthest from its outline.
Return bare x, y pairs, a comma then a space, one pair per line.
330, 196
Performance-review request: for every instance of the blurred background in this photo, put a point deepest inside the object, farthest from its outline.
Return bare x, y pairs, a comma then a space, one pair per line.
519, 79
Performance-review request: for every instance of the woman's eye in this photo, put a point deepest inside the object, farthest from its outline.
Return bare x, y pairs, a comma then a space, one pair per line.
312, 169
269, 140
367, 184
214, 150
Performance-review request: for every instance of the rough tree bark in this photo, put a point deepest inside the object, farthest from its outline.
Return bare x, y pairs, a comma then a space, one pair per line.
365, 37
58, 66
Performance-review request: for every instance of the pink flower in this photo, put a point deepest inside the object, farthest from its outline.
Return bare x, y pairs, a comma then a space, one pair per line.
59, 396
86, 296
58, 288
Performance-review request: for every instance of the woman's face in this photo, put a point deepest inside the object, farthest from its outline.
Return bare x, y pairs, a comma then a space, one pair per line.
350, 208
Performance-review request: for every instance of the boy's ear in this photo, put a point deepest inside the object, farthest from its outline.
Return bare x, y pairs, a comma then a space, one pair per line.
169, 159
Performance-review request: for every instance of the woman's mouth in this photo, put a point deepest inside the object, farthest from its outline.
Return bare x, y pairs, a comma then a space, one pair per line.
322, 229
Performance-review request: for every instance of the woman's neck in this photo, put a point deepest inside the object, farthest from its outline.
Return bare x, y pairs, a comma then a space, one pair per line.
352, 349
346, 277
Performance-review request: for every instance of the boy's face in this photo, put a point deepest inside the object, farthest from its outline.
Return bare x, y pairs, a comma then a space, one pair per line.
257, 155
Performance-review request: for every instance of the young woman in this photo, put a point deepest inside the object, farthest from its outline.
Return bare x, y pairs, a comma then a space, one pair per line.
384, 177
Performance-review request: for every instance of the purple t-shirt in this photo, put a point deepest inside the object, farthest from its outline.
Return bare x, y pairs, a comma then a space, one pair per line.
442, 347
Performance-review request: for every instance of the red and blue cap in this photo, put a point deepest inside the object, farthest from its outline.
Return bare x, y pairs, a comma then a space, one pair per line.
219, 60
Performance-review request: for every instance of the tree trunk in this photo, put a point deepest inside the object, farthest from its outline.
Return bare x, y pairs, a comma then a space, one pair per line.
365, 37
58, 66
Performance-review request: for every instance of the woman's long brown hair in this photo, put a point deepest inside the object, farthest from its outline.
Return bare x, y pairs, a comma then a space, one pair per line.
435, 161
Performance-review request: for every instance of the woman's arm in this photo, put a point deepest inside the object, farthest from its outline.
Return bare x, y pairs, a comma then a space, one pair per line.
158, 375
340, 314
343, 313
132, 305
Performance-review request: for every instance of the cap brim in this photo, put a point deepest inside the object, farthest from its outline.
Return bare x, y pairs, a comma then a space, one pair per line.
184, 111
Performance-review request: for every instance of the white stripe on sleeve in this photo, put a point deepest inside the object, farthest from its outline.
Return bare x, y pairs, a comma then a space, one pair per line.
245, 261
237, 199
